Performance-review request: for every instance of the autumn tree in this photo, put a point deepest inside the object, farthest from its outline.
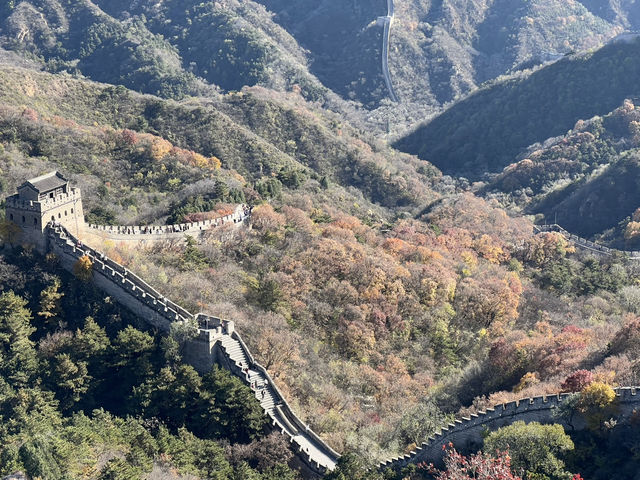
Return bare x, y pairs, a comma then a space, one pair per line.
577, 381
546, 248
487, 301
479, 466
597, 403
266, 220
275, 344
83, 268
627, 339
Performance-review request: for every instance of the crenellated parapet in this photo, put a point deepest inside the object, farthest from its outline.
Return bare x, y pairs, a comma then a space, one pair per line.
47, 203
215, 341
122, 283
467, 433
587, 245
240, 214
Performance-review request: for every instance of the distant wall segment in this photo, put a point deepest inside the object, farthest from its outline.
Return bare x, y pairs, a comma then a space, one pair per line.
467, 434
587, 245
156, 233
387, 22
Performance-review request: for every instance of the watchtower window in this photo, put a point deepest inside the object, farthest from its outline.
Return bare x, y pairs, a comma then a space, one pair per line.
65, 213
59, 215
51, 195
53, 219
35, 221
23, 219
11, 216
72, 211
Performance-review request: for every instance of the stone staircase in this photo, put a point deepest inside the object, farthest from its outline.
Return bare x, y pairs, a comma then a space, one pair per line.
133, 292
304, 440
253, 378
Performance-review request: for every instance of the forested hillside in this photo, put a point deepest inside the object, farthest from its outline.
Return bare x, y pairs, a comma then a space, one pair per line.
369, 316
383, 297
585, 180
85, 394
487, 130
328, 51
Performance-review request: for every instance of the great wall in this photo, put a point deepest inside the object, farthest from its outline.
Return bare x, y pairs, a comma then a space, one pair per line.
46, 222
467, 434
387, 22
588, 245
154, 233
216, 341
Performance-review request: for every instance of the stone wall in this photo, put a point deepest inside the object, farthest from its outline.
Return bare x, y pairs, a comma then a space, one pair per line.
155, 233
216, 341
123, 285
467, 434
588, 245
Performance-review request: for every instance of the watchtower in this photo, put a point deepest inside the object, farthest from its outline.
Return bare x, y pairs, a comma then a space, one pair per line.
42, 200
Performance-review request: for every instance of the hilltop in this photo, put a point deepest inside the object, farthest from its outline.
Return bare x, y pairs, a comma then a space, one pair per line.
485, 131
328, 51
585, 179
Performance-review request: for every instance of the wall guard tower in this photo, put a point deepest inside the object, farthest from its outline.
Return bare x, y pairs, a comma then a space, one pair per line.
42, 200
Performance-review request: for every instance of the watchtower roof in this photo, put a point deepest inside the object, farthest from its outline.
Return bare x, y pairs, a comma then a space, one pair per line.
45, 183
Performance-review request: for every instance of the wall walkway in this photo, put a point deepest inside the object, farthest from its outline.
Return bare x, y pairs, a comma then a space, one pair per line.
467, 434
216, 341
388, 21
154, 233
585, 244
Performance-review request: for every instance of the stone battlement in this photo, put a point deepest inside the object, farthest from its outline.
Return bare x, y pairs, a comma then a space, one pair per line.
467, 433
216, 341
240, 214
42, 205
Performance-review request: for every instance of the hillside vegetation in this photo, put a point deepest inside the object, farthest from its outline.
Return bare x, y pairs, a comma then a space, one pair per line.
329, 51
254, 133
585, 180
383, 297
85, 394
369, 316
486, 131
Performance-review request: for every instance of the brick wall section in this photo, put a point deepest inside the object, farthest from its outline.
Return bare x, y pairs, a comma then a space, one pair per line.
216, 342
467, 434
585, 244
155, 233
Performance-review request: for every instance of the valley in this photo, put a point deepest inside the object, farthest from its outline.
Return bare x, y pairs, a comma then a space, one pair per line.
441, 195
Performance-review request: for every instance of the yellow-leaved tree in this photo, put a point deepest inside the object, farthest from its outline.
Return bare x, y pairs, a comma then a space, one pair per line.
83, 268
597, 404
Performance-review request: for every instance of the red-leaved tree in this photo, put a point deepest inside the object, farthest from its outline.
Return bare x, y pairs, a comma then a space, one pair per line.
479, 466
577, 381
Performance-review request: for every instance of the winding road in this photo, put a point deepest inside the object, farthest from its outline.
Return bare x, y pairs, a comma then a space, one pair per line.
388, 20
